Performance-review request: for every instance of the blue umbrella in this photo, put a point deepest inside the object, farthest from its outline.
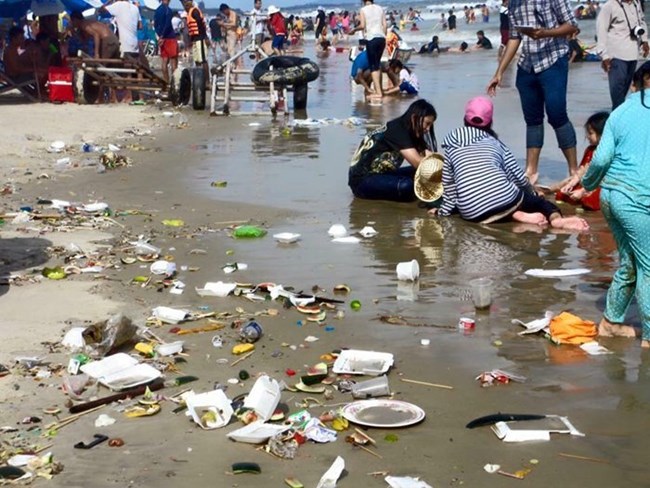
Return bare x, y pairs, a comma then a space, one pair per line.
18, 8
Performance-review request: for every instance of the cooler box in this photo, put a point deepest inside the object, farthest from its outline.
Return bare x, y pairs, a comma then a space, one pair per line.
60, 84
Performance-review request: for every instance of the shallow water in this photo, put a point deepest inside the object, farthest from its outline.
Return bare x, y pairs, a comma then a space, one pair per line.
306, 171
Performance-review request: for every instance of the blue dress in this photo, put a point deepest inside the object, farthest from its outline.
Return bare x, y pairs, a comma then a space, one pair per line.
621, 167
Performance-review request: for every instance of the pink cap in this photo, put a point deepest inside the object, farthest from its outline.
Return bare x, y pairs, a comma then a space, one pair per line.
478, 111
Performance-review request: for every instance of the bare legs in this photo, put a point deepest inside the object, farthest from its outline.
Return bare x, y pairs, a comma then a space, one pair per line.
532, 162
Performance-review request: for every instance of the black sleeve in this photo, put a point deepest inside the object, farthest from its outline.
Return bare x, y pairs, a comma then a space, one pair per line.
397, 136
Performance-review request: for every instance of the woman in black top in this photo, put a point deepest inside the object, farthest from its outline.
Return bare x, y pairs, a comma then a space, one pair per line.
376, 173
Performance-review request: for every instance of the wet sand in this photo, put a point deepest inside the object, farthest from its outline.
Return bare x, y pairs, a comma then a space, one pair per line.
297, 183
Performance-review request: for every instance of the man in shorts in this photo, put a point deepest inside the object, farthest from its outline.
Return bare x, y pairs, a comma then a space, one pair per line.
198, 36
277, 26
167, 42
259, 26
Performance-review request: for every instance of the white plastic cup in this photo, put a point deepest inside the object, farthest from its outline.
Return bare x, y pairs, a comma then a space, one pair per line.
481, 292
408, 271
375, 387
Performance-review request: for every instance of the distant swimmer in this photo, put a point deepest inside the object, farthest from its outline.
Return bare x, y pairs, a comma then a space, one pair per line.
483, 42
451, 21
463, 48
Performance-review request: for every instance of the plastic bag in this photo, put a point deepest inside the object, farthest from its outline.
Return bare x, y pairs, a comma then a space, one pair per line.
109, 334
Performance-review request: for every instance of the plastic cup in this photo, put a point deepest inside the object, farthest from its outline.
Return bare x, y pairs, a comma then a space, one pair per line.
375, 387
481, 292
408, 271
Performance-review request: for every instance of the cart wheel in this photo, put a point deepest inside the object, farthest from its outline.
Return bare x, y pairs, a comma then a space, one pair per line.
180, 88
90, 91
300, 96
198, 89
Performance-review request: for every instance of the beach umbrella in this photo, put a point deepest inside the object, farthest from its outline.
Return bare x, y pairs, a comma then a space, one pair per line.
18, 8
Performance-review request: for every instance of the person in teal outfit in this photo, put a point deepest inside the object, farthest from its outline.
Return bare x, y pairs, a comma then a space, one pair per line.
621, 166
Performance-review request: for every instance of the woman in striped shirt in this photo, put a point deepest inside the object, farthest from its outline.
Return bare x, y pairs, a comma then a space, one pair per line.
483, 182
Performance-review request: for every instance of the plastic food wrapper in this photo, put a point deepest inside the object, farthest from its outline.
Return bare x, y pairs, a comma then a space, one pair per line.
332, 475
496, 376
371, 363
535, 326
257, 432
120, 371
170, 315
210, 410
216, 289
317, 432
594, 349
109, 334
406, 482
562, 425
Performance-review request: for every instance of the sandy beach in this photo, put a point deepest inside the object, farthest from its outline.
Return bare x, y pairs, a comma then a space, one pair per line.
286, 177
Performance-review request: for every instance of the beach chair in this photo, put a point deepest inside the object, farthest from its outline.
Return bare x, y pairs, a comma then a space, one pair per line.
29, 88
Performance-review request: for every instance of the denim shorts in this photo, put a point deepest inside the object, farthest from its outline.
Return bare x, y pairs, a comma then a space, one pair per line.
278, 42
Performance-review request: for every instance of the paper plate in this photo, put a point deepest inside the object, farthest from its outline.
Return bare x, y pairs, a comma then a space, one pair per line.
383, 413
556, 273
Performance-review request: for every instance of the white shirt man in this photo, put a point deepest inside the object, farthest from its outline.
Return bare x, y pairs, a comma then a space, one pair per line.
259, 18
127, 17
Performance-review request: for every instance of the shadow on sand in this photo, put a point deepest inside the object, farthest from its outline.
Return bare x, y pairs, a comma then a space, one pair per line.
19, 253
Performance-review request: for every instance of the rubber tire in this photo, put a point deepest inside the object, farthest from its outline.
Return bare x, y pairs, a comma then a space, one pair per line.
300, 96
180, 88
287, 70
198, 89
85, 91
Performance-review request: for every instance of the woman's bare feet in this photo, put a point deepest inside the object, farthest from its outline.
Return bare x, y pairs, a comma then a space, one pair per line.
570, 223
607, 329
529, 218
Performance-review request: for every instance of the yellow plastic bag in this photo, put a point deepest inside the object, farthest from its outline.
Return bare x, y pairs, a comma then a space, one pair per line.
567, 328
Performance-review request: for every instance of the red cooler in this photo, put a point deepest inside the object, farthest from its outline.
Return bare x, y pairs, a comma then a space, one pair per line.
60, 84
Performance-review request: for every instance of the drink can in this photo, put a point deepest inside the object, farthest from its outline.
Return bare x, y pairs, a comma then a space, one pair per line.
251, 332
466, 323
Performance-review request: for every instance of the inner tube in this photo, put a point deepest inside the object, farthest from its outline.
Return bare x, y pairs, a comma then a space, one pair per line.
287, 70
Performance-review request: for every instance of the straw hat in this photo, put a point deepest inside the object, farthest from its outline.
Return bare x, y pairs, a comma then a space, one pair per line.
428, 178
273, 9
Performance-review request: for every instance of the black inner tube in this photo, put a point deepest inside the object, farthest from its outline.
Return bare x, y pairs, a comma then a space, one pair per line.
287, 70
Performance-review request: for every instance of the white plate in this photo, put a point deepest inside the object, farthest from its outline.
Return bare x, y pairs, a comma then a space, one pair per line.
383, 413
556, 273
287, 237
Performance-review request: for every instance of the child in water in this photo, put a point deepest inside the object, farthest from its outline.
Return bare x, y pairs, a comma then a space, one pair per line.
408, 82
571, 191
